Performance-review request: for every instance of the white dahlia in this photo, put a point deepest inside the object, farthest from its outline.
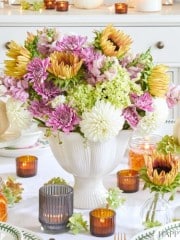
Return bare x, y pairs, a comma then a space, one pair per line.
153, 120
19, 117
102, 122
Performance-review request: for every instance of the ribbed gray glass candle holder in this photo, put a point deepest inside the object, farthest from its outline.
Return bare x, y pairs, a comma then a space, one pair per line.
55, 207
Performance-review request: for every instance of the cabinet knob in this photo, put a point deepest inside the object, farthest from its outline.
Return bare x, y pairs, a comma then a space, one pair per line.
7, 45
160, 45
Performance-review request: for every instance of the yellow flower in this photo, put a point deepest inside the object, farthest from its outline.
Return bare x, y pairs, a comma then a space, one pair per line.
161, 169
114, 42
64, 65
158, 81
20, 57
30, 38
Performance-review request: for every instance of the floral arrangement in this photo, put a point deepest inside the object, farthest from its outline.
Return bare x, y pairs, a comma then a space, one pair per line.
95, 88
161, 175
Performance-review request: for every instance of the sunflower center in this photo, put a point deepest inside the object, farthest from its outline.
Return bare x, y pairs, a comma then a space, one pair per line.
166, 169
113, 42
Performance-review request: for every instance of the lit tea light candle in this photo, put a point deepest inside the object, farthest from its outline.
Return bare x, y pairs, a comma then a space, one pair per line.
128, 180
26, 166
102, 222
121, 8
55, 207
62, 6
49, 4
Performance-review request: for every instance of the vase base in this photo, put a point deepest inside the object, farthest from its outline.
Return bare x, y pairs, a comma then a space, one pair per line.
89, 193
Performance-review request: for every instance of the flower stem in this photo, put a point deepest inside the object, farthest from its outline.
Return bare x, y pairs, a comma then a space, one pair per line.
156, 197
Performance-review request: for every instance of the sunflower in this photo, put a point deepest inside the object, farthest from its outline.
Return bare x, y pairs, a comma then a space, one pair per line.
114, 42
20, 57
64, 65
161, 169
158, 81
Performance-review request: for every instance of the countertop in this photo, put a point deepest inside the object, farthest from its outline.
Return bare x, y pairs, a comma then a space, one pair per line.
12, 15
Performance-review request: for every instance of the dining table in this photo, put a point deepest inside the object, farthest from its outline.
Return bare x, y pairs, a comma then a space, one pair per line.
25, 214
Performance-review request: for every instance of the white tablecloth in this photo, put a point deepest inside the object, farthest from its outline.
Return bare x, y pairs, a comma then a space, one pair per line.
25, 213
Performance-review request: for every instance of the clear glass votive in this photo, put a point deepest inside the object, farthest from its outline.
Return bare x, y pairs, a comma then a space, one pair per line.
121, 8
128, 180
55, 207
102, 222
62, 6
26, 166
140, 146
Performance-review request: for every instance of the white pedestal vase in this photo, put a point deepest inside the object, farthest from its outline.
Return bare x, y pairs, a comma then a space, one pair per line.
88, 4
88, 162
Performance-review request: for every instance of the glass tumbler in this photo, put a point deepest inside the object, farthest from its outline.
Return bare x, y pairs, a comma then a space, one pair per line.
55, 207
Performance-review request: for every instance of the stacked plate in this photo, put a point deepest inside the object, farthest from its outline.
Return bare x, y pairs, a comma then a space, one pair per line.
10, 232
170, 231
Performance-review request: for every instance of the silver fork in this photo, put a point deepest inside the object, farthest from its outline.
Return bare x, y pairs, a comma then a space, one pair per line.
120, 236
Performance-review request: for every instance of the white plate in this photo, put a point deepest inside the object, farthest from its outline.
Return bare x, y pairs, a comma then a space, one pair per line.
145, 235
15, 152
9, 232
170, 231
28, 235
8, 138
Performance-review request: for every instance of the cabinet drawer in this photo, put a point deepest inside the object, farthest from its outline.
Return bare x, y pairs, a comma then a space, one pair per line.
168, 50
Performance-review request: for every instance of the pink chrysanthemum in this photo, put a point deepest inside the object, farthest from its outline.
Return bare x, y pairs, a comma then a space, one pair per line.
63, 118
39, 109
37, 70
71, 43
47, 90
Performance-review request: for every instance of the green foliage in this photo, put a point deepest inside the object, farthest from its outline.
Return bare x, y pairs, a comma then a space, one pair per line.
77, 224
168, 144
56, 180
151, 224
114, 198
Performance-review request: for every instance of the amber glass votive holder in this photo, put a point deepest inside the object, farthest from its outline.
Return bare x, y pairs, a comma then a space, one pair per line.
121, 8
128, 180
62, 6
102, 222
55, 207
26, 166
49, 4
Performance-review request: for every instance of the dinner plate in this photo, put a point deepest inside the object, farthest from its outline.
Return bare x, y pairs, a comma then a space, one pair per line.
170, 231
28, 235
8, 138
10, 232
15, 152
145, 235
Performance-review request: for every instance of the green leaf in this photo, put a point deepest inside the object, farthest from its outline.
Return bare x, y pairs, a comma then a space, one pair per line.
77, 224
114, 198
